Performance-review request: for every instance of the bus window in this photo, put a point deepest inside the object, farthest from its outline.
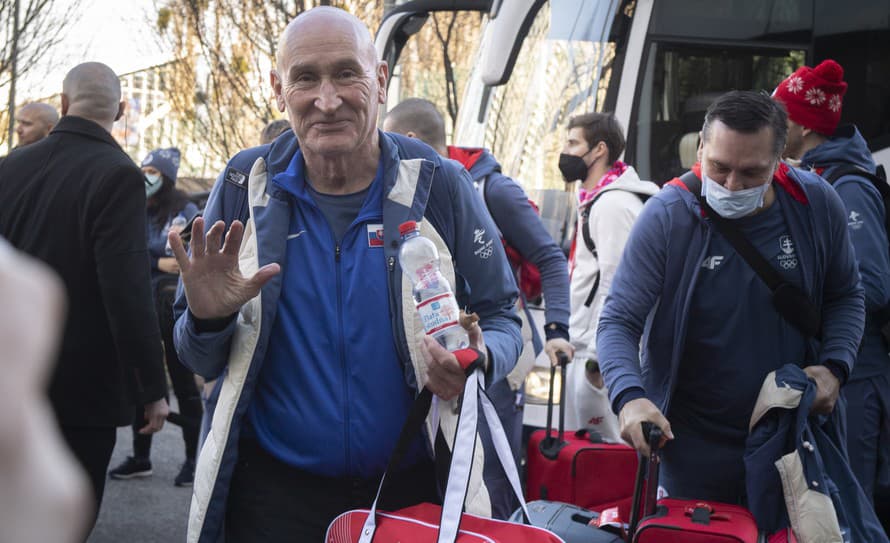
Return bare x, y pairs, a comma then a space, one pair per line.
779, 20
562, 70
679, 83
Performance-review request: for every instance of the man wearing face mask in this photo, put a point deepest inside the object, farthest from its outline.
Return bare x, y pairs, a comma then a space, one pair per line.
710, 332
609, 199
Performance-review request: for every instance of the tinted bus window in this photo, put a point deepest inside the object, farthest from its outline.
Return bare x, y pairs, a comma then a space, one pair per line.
782, 20
679, 83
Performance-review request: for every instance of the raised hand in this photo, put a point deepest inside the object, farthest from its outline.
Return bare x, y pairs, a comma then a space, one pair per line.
214, 285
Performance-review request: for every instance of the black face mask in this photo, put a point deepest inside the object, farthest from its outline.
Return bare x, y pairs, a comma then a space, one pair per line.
572, 167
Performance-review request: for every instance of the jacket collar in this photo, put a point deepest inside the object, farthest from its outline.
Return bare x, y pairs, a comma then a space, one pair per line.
78, 125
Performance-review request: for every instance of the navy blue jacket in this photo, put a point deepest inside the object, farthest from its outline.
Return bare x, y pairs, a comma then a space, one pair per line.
797, 471
655, 281
521, 227
865, 220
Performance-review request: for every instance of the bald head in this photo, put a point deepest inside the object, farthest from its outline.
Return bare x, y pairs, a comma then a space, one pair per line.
418, 118
93, 91
34, 121
332, 20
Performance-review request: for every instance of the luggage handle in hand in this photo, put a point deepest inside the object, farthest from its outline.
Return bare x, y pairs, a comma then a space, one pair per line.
647, 473
549, 446
462, 455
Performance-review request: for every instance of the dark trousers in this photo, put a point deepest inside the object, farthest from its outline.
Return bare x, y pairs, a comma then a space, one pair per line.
184, 386
92, 447
865, 422
271, 501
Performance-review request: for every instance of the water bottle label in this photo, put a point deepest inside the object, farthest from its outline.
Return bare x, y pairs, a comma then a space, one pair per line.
438, 313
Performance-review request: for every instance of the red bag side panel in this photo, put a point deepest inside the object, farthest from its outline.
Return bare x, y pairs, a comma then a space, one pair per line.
673, 523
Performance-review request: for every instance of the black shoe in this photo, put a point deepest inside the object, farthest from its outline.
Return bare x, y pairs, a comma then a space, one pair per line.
186, 474
131, 467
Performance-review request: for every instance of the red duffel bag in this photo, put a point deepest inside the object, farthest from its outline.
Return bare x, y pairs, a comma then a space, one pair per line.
430, 523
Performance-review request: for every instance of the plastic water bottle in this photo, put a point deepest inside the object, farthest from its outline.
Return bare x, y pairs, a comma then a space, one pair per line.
433, 296
176, 225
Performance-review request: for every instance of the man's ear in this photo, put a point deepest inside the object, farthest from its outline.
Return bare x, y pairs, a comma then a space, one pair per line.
121, 108
382, 76
275, 79
65, 104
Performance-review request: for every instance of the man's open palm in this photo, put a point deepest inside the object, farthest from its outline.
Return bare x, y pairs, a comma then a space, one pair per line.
214, 286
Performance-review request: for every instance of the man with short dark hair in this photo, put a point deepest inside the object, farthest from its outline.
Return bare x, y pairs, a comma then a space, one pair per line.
610, 198
76, 201
304, 314
814, 98
521, 228
34, 121
710, 332
273, 130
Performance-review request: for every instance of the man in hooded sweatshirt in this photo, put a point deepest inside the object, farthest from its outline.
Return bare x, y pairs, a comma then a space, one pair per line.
521, 227
813, 98
610, 198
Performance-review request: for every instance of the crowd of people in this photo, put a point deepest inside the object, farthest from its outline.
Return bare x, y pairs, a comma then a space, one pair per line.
290, 308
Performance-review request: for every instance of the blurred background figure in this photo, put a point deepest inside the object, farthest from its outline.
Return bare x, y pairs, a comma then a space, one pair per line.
273, 130
34, 121
168, 209
44, 495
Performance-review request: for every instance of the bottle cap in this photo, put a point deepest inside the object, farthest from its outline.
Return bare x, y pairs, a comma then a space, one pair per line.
407, 227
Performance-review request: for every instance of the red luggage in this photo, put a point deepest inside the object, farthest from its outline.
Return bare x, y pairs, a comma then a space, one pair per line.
574, 469
683, 521
430, 523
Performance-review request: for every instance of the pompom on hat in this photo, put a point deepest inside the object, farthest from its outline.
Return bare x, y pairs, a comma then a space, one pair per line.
814, 96
165, 161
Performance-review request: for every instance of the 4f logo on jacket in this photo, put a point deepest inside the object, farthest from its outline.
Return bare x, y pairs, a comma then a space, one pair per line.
854, 221
711, 262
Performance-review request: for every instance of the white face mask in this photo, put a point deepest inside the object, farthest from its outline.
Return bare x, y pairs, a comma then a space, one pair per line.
732, 204
153, 184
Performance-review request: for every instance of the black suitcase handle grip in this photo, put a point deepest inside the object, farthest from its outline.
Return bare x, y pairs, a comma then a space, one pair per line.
550, 446
647, 474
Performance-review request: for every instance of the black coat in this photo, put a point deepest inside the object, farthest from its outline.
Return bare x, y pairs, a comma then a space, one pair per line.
76, 201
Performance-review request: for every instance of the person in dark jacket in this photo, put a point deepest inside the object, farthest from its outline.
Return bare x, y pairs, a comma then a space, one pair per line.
169, 210
521, 227
76, 201
710, 331
820, 145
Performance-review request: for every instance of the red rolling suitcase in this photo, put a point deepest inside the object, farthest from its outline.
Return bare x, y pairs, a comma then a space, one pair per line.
683, 521
574, 469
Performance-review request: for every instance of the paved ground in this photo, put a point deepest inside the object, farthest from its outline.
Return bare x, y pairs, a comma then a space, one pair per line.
149, 510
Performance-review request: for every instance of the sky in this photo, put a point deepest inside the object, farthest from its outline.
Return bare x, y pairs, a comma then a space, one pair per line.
119, 33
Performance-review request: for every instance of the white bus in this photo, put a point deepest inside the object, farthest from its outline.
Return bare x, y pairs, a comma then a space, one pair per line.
657, 64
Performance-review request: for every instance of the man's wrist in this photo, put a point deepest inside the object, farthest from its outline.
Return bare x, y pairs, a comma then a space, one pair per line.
839, 370
204, 326
554, 330
627, 396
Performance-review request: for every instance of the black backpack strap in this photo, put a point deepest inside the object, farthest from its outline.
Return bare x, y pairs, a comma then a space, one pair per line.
588, 239
790, 301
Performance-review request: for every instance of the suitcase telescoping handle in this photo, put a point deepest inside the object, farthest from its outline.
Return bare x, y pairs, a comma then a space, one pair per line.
549, 446
643, 504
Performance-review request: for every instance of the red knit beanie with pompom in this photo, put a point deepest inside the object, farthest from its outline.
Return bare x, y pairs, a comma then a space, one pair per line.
814, 96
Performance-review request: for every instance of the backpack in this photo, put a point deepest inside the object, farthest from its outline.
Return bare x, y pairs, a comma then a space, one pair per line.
528, 276
588, 240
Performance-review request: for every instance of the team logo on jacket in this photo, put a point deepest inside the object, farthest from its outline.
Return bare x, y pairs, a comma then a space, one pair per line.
375, 235
485, 247
854, 221
787, 258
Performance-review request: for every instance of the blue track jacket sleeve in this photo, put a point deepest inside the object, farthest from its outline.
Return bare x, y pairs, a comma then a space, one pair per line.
636, 288
865, 221
522, 228
205, 354
492, 289
843, 300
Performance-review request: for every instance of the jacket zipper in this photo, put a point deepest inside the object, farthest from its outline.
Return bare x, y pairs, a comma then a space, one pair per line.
342, 348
